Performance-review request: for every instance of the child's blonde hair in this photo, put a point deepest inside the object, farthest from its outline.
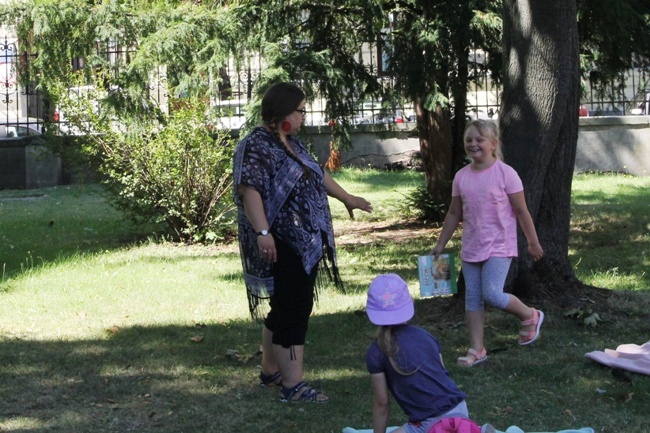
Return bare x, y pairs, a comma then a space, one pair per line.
490, 130
388, 346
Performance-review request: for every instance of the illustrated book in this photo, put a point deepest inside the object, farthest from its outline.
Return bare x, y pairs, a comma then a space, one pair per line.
437, 277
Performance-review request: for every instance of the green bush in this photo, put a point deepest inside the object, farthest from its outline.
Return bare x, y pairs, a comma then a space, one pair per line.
419, 204
176, 171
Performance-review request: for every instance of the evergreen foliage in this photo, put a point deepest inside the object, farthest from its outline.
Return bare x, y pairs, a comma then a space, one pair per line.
316, 43
158, 166
614, 36
431, 43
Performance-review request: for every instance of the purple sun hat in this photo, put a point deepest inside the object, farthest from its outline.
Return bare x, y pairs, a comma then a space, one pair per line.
389, 300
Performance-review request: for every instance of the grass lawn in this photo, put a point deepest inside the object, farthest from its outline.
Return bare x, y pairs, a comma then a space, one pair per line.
103, 329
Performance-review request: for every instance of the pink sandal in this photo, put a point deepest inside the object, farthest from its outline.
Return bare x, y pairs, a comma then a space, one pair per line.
527, 337
473, 357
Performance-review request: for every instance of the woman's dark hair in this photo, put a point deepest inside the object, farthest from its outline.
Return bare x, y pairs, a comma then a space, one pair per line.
279, 101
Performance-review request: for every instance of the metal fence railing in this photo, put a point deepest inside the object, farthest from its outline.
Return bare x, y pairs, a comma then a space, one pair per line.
25, 106
629, 95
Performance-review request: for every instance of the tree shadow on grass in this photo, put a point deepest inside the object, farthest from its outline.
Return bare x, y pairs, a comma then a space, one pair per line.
619, 224
171, 379
203, 378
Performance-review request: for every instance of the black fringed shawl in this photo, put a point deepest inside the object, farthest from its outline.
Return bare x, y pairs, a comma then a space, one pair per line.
296, 209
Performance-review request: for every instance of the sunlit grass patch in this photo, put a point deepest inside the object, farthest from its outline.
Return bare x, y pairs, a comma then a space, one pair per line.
129, 334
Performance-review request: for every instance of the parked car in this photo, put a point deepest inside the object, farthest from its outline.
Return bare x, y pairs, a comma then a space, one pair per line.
19, 127
374, 112
77, 95
404, 116
475, 113
643, 107
85, 104
228, 114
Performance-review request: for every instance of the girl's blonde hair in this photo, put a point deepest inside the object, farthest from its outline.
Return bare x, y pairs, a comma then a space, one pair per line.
388, 346
490, 130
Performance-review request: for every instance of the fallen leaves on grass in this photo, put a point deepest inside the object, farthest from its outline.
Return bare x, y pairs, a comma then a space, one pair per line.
587, 315
503, 410
113, 329
234, 354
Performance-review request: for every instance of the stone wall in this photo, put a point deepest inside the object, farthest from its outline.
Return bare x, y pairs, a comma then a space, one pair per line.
373, 145
620, 143
24, 165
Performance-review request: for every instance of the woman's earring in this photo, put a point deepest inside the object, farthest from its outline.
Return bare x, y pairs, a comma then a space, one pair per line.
285, 126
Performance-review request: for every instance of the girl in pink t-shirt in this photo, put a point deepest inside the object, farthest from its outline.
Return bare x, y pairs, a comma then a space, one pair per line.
488, 196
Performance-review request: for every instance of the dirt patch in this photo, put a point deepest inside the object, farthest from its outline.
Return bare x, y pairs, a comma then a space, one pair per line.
580, 296
361, 233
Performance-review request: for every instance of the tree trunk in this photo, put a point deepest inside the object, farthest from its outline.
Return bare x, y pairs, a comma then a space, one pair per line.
436, 148
442, 75
539, 129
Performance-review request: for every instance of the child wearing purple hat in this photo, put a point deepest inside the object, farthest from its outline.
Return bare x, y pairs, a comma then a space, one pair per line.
405, 360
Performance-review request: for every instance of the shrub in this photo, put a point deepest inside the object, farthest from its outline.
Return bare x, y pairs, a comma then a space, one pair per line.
176, 171
418, 203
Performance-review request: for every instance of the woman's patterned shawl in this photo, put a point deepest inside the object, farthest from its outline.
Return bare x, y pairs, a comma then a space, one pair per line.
295, 205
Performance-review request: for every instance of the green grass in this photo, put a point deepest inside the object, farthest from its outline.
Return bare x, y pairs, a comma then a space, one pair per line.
610, 231
102, 330
53, 224
385, 192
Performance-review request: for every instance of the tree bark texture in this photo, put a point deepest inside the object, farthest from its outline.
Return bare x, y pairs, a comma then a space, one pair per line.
539, 128
436, 149
431, 57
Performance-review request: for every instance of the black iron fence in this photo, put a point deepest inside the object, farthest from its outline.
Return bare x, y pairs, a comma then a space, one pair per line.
26, 109
628, 95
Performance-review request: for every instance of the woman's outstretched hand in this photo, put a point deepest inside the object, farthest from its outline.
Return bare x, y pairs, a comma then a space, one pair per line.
355, 202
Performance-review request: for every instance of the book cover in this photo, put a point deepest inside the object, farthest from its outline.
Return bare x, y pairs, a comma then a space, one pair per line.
437, 277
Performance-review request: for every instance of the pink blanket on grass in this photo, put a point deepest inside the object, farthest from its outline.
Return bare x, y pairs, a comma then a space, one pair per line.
511, 429
626, 356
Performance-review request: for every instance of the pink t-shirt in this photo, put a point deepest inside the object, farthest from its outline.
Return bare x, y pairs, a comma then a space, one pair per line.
489, 222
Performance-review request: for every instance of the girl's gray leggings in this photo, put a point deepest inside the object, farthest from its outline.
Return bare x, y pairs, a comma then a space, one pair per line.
484, 283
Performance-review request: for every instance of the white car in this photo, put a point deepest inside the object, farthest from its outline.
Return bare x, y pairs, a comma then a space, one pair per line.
19, 127
372, 112
84, 102
229, 113
643, 107
80, 97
